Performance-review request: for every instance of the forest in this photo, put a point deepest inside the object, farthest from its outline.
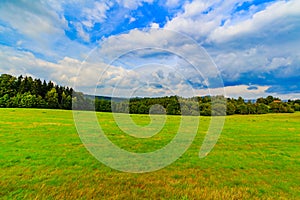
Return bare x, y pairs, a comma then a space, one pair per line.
26, 92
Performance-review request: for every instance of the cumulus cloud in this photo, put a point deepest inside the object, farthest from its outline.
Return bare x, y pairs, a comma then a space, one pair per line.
200, 18
172, 3
37, 28
33, 20
97, 13
259, 22
81, 32
159, 43
25, 63
133, 4
162, 48
88, 14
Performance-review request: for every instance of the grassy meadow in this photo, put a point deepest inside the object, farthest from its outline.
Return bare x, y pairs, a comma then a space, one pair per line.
42, 157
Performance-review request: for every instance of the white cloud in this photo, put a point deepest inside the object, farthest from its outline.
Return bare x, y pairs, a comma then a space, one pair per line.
25, 63
217, 21
195, 8
241, 61
257, 60
243, 91
260, 21
34, 20
155, 46
133, 4
279, 62
38, 28
132, 19
154, 25
172, 3
19, 42
96, 13
156, 60
81, 33
199, 18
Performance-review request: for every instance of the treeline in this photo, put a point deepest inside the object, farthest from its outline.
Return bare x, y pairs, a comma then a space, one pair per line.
262, 105
26, 92
206, 106
172, 105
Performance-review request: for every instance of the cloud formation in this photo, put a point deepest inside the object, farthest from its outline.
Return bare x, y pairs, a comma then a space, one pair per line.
254, 44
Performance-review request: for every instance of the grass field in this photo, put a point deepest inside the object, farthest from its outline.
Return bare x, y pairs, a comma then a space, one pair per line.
42, 157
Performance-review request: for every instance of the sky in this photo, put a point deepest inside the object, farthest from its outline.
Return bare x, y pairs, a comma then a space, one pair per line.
248, 48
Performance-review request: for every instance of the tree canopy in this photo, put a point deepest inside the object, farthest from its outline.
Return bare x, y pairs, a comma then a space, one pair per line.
26, 92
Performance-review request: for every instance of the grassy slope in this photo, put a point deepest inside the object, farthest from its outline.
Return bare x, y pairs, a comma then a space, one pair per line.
41, 156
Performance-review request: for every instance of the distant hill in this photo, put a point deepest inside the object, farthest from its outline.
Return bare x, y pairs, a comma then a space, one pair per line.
106, 98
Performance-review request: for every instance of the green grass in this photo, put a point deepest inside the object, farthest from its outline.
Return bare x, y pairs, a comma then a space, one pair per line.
42, 157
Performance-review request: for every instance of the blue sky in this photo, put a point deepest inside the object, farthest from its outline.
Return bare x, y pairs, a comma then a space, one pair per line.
124, 45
